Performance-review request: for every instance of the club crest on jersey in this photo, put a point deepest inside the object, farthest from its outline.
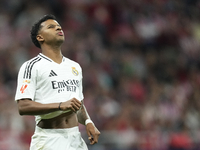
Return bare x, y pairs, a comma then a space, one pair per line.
74, 71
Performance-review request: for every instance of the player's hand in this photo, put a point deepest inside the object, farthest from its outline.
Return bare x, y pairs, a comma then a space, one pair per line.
93, 133
72, 104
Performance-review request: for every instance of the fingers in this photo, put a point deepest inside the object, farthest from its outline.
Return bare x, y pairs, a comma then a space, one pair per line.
95, 137
93, 134
90, 138
72, 104
76, 103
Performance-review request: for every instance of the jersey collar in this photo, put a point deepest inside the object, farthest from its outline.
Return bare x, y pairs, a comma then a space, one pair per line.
45, 57
49, 59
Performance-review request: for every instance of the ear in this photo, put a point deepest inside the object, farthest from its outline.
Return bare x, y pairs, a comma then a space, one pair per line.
40, 38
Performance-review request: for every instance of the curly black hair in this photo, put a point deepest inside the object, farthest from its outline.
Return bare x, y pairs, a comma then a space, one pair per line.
37, 26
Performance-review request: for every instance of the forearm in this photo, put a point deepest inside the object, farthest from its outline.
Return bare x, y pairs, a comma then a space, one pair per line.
92, 132
82, 115
28, 107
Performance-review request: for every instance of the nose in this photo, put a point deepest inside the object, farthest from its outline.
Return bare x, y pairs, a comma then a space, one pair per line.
58, 28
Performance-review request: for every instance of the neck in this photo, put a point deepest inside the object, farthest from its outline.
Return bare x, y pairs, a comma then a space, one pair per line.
53, 53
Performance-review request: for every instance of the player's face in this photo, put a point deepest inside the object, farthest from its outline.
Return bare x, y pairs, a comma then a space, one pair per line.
51, 32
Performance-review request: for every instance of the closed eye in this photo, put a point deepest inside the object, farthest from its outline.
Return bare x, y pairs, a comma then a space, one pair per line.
51, 26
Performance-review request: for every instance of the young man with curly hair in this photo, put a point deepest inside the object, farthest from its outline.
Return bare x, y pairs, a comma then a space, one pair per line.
49, 87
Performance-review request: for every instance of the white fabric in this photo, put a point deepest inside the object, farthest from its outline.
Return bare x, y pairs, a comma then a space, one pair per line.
42, 80
57, 139
88, 121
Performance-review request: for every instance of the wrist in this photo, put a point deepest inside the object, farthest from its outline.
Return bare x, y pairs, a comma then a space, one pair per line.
88, 121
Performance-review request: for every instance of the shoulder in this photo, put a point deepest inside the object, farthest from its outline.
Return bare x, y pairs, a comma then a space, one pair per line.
72, 62
31, 62
30, 66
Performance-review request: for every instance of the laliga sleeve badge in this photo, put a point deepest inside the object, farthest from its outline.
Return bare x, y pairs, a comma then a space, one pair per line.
23, 88
24, 85
74, 71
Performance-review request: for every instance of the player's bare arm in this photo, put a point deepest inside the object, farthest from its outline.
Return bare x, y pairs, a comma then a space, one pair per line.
82, 115
92, 132
29, 107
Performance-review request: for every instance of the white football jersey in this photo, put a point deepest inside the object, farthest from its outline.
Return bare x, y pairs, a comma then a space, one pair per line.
42, 80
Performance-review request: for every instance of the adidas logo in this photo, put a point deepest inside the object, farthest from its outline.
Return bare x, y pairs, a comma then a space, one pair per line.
52, 73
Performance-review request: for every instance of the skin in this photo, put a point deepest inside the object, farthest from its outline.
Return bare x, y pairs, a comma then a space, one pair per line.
51, 37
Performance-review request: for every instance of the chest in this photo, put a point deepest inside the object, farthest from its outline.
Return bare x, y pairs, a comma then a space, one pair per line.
59, 76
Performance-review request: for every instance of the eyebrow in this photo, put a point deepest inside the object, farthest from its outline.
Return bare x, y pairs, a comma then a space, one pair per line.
53, 25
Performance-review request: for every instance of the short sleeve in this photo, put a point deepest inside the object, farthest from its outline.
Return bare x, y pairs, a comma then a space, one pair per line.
26, 82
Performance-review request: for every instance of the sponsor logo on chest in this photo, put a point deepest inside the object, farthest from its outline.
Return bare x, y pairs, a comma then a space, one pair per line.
70, 85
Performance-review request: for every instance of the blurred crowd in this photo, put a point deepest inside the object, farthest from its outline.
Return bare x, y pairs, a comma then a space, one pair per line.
140, 61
